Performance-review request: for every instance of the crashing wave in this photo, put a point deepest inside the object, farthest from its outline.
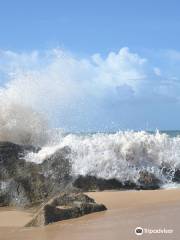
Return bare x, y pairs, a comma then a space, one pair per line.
22, 125
121, 155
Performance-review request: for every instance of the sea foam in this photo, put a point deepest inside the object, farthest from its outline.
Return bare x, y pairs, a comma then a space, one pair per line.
120, 155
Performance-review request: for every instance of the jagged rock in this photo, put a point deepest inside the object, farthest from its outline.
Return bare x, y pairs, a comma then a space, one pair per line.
148, 181
11, 159
25, 183
12, 193
58, 166
176, 177
65, 206
91, 183
129, 185
170, 173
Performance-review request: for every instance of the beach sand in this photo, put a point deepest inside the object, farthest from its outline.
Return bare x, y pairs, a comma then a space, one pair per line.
157, 209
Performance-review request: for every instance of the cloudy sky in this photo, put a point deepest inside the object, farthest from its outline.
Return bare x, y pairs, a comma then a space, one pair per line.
93, 65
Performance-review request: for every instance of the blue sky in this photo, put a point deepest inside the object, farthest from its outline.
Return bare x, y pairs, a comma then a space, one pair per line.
93, 65
92, 26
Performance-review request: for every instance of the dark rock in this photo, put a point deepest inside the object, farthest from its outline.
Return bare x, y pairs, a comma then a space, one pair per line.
11, 159
9, 150
58, 166
91, 183
24, 189
65, 206
128, 185
148, 181
167, 171
12, 193
170, 173
25, 183
176, 177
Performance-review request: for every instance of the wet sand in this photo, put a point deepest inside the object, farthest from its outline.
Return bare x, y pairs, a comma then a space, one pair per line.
126, 211
10, 217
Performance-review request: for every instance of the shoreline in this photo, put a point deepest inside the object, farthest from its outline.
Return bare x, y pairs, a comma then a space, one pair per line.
126, 211
133, 198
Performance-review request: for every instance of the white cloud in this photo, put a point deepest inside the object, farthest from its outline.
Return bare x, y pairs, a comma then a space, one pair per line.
65, 78
120, 68
58, 83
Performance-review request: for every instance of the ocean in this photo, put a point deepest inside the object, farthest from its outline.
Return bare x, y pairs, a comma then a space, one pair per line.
120, 155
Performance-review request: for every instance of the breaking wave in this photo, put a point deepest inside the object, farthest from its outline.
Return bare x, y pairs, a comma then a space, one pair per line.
71, 91
120, 155
22, 125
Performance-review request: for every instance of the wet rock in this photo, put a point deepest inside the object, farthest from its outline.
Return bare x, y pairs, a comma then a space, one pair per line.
58, 166
91, 183
129, 185
65, 206
21, 182
12, 193
24, 189
176, 177
11, 159
148, 181
170, 173
25, 183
